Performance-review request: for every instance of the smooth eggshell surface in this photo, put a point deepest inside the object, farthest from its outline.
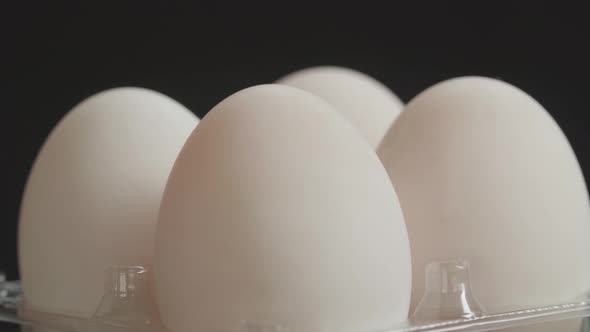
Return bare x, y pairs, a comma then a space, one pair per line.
278, 212
367, 103
485, 174
93, 195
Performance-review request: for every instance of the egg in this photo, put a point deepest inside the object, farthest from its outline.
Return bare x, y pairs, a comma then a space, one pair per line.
483, 173
367, 103
92, 198
279, 215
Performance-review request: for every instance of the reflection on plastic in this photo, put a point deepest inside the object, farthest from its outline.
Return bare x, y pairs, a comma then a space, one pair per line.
10, 292
448, 293
127, 301
247, 326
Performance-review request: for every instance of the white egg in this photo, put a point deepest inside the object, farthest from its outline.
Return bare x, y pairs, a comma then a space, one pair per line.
92, 198
367, 103
279, 213
485, 174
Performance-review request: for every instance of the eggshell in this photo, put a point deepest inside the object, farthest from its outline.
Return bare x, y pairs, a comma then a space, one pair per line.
279, 213
93, 195
485, 174
370, 105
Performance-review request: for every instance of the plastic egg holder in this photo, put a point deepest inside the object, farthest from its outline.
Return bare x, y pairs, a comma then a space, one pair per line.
448, 305
448, 294
126, 305
9, 292
127, 301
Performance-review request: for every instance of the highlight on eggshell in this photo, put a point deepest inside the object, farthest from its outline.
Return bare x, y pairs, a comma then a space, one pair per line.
92, 197
366, 102
279, 213
484, 173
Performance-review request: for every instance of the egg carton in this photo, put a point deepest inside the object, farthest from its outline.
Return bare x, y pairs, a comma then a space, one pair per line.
448, 305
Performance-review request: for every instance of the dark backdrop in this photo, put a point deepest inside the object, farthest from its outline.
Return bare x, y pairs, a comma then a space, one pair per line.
55, 54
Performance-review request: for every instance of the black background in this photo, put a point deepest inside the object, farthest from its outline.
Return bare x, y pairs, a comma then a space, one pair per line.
54, 54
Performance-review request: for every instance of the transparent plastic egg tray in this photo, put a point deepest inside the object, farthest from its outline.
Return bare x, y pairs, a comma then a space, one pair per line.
448, 305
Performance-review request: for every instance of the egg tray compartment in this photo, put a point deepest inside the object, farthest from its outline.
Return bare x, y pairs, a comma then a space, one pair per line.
459, 309
54, 323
